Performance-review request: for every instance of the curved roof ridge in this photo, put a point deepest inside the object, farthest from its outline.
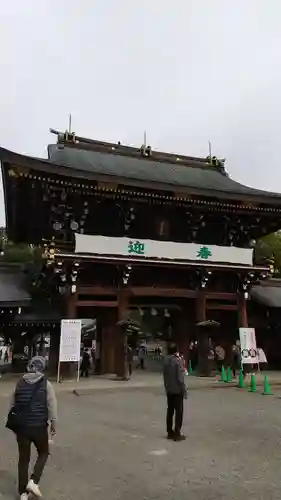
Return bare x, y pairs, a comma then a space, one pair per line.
172, 160
147, 169
141, 172
70, 139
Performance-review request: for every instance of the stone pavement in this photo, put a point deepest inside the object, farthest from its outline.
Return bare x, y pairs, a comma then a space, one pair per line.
139, 380
111, 446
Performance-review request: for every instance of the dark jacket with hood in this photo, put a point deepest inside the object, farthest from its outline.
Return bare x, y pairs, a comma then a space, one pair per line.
173, 374
43, 407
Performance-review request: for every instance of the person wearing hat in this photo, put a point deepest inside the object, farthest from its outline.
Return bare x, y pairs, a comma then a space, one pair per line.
35, 406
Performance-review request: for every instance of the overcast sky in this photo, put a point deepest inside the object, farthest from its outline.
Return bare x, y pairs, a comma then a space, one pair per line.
186, 71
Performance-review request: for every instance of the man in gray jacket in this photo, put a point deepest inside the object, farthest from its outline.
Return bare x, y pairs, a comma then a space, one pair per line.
35, 393
176, 391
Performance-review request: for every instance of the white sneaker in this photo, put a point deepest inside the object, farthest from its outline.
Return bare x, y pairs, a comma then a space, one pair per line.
24, 496
34, 488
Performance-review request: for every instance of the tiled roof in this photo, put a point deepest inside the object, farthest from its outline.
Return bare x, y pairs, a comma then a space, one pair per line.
12, 289
268, 293
187, 176
204, 177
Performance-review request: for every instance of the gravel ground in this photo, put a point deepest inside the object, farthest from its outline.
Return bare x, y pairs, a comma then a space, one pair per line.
111, 445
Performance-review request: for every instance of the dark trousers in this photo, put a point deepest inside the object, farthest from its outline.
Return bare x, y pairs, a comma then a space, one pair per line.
39, 437
220, 364
130, 369
141, 364
84, 372
175, 407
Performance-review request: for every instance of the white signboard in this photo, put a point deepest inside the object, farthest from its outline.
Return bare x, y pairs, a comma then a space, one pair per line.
103, 245
70, 340
248, 346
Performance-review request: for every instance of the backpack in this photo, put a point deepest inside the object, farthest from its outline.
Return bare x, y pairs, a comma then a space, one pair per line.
17, 414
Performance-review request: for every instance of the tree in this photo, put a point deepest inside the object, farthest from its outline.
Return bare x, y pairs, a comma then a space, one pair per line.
268, 251
20, 254
27, 256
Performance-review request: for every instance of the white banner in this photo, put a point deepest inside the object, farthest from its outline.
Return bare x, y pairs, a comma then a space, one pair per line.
248, 346
70, 340
103, 245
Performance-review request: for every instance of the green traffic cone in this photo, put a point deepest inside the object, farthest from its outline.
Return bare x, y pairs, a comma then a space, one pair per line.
253, 385
266, 387
228, 375
190, 370
241, 384
223, 375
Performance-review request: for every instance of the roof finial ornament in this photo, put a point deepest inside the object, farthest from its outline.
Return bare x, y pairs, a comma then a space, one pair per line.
145, 150
69, 135
213, 160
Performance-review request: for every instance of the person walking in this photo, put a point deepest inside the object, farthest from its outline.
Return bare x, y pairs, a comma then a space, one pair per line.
85, 364
141, 357
6, 356
33, 408
235, 359
176, 391
130, 358
220, 357
93, 358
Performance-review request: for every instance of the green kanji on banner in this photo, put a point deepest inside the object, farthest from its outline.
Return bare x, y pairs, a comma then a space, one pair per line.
204, 253
136, 247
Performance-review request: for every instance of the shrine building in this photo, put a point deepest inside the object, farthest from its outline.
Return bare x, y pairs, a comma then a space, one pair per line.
132, 232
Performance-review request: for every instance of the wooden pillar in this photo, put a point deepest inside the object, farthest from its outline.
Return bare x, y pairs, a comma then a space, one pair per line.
121, 341
182, 333
71, 308
54, 351
200, 307
204, 363
109, 320
242, 310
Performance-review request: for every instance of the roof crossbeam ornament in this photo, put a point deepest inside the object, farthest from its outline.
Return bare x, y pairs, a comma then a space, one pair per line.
145, 150
215, 162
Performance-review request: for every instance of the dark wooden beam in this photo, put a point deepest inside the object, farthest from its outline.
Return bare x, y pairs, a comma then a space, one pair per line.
146, 261
221, 307
222, 296
97, 290
147, 291
96, 303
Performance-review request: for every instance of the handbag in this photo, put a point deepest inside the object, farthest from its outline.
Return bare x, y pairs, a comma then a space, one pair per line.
17, 414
